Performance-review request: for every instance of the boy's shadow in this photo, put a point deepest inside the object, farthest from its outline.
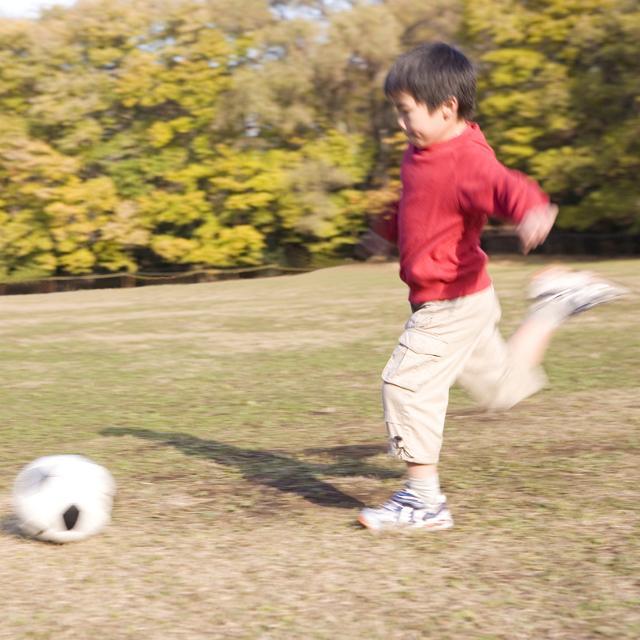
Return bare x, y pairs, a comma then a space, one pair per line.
270, 469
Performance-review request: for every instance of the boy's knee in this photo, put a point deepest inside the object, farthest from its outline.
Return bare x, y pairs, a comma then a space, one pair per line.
514, 387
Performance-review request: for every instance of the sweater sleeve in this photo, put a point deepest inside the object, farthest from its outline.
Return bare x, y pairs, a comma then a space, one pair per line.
488, 188
386, 224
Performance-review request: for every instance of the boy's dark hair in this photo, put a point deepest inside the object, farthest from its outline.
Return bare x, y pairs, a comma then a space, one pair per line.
431, 74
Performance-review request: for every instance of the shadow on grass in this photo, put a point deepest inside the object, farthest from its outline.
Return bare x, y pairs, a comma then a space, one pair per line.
9, 526
269, 469
349, 452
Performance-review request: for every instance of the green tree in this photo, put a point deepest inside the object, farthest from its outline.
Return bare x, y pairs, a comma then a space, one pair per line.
559, 98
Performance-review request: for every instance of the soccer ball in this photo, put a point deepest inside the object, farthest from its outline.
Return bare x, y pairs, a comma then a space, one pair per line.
63, 498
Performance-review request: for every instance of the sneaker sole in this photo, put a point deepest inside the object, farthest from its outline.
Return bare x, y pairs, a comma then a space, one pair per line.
435, 526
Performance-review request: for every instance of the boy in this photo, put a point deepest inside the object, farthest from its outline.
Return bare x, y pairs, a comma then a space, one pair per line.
451, 182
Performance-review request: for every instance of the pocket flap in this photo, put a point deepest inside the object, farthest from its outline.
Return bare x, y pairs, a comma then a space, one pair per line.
423, 343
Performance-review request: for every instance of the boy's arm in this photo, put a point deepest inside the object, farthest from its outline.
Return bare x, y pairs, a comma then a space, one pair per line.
493, 190
536, 225
382, 235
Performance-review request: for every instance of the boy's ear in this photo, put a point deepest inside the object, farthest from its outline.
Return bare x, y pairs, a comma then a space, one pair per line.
450, 108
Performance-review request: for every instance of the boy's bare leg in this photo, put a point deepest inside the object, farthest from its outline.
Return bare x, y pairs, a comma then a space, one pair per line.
421, 471
531, 340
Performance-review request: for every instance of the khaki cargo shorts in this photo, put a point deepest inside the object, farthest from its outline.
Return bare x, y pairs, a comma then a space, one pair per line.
445, 342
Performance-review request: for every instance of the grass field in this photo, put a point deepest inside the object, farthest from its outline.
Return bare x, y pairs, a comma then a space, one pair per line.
243, 425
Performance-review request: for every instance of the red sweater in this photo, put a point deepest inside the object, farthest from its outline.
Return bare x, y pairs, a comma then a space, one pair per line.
448, 190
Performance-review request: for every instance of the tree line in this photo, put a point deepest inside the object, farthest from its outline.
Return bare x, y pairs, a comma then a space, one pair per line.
164, 134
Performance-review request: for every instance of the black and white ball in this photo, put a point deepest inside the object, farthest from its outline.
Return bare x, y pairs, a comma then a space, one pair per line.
63, 498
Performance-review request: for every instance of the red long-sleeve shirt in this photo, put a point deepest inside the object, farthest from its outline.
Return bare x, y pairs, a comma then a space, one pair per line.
448, 191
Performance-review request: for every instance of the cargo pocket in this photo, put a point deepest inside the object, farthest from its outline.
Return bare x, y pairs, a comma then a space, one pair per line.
408, 365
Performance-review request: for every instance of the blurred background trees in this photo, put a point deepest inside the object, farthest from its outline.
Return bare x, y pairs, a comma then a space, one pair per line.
155, 134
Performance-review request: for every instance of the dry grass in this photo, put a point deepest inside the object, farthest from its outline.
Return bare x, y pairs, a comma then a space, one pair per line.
242, 423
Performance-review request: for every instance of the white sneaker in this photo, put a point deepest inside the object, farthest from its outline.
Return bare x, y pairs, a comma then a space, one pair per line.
576, 291
404, 510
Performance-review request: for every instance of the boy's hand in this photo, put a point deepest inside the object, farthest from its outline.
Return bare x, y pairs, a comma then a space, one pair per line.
535, 226
371, 244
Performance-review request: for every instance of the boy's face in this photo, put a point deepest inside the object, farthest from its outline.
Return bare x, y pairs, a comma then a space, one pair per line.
424, 127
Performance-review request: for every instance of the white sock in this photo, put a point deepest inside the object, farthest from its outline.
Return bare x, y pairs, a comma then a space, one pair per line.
427, 489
